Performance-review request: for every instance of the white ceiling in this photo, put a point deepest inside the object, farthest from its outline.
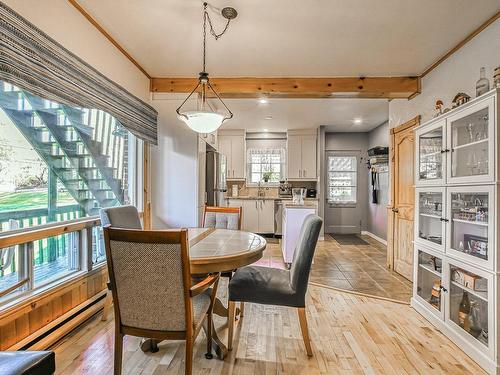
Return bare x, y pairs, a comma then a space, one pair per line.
292, 37
249, 114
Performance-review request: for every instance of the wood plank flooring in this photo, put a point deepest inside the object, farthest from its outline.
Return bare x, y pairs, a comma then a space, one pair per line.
350, 335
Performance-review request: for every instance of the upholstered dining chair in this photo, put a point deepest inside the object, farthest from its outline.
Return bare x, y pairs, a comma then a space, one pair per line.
126, 217
272, 286
152, 293
222, 217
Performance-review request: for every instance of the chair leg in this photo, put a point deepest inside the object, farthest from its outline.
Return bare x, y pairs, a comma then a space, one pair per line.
107, 306
230, 324
189, 356
305, 330
118, 353
242, 309
208, 354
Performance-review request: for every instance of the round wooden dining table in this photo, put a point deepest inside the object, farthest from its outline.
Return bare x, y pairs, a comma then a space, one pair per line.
220, 250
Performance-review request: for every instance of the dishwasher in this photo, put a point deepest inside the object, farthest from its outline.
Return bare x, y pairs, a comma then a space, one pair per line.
278, 213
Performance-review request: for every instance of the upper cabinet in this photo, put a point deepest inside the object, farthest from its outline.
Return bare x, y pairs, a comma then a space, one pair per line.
301, 155
459, 147
232, 144
210, 138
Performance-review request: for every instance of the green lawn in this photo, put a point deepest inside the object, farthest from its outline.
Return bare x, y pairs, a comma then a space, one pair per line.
30, 200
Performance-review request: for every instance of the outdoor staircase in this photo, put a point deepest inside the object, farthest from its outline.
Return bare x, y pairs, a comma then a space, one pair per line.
85, 148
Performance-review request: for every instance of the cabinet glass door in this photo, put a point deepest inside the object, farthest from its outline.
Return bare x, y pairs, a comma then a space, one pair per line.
471, 140
469, 306
430, 156
430, 219
429, 279
470, 227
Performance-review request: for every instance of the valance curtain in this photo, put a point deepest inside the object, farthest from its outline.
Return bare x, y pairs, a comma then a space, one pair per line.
33, 61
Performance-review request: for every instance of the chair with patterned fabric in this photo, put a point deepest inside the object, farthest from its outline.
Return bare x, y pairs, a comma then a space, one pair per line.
222, 217
163, 305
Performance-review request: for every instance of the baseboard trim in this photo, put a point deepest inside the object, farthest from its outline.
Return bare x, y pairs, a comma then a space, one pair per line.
377, 238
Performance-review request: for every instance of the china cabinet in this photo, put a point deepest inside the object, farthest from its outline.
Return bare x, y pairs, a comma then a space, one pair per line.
456, 262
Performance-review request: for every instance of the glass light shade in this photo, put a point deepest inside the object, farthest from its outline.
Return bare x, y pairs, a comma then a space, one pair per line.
202, 121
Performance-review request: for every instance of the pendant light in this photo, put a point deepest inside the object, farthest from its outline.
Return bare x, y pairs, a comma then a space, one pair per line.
205, 119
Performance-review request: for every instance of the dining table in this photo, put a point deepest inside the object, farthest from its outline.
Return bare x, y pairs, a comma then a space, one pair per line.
218, 250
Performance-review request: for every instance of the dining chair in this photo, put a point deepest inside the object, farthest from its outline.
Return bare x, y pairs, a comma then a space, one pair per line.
152, 293
272, 286
126, 217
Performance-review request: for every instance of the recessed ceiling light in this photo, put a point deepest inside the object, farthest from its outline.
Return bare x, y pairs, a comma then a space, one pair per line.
263, 101
269, 117
265, 130
357, 121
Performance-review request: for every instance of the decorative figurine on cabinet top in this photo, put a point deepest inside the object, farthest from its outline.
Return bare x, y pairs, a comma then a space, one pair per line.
460, 99
439, 108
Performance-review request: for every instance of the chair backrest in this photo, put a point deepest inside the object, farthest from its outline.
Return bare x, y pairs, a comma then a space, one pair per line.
121, 217
222, 217
150, 278
304, 253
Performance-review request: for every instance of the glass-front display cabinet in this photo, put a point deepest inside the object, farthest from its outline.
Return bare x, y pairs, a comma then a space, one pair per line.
430, 228
470, 140
428, 285
470, 229
430, 160
470, 307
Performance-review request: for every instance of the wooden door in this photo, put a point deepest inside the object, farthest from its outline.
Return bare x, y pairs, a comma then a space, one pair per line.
294, 156
401, 214
238, 156
309, 156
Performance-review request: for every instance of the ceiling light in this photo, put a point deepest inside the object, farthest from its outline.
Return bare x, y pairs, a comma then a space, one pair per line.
265, 130
204, 119
357, 121
263, 101
269, 117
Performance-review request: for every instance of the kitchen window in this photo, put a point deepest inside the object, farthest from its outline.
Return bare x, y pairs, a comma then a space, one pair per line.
265, 166
342, 179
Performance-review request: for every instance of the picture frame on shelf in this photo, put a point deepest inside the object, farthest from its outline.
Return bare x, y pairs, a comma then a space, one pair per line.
477, 245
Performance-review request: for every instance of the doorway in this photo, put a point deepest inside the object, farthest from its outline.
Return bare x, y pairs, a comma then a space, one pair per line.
346, 200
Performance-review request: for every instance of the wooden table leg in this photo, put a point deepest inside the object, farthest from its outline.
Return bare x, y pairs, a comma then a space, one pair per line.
217, 344
221, 310
149, 345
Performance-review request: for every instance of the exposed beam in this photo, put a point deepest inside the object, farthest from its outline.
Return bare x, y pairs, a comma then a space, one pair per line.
108, 36
461, 44
327, 87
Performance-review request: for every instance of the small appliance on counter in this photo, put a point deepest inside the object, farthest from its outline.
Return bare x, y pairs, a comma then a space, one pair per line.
298, 195
311, 193
285, 189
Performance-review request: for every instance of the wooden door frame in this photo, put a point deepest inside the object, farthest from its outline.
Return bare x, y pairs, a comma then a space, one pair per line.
412, 124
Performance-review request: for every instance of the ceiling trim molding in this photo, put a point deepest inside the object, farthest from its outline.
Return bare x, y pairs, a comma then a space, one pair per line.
108, 36
461, 44
290, 87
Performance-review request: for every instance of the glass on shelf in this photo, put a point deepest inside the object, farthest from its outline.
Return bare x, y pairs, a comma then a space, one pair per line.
429, 279
469, 303
430, 213
469, 141
430, 156
469, 223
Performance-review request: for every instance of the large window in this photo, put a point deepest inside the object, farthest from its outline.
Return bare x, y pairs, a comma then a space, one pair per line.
58, 163
342, 179
265, 166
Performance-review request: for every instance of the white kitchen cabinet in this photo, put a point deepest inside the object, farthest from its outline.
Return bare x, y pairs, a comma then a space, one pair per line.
301, 155
210, 138
258, 214
233, 146
293, 219
456, 226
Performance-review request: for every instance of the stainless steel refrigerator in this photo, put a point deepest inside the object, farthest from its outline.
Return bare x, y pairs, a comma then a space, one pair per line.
215, 178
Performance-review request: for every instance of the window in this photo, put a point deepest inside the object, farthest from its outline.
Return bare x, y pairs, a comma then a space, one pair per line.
265, 165
58, 163
342, 176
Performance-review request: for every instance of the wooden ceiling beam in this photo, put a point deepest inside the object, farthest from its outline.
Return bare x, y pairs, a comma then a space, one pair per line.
327, 87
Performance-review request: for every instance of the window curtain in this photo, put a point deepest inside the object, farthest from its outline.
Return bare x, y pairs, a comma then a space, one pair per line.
33, 61
266, 153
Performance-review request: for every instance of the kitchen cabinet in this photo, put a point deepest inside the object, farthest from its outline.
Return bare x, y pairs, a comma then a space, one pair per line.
233, 146
258, 214
210, 138
456, 224
301, 155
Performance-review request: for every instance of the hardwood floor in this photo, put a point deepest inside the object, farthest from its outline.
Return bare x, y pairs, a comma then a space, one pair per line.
358, 268
350, 334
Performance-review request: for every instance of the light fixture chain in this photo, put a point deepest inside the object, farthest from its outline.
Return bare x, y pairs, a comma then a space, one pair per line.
206, 17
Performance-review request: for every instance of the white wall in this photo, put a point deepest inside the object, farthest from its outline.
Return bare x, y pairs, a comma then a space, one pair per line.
61, 21
174, 169
458, 73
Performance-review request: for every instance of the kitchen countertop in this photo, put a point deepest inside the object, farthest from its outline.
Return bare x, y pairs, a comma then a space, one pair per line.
247, 197
310, 204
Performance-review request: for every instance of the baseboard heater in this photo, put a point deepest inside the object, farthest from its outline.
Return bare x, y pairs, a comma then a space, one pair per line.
63, 325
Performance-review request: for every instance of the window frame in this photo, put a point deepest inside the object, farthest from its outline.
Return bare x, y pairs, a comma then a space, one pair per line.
350, 203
